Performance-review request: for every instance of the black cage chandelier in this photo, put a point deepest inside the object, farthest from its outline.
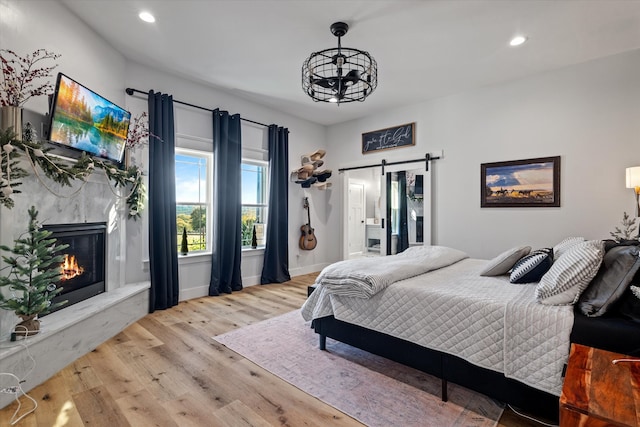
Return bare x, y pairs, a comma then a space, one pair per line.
339, 74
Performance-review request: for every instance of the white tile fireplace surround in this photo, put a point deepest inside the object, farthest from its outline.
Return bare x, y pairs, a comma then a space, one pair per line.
76, 330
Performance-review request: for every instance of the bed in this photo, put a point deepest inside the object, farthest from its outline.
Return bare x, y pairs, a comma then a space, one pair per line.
483, 333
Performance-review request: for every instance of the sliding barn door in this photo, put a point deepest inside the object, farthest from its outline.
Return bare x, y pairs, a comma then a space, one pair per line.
406, 203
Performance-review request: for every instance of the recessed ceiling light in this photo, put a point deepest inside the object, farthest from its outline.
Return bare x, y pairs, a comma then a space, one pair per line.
517, 40
146, 17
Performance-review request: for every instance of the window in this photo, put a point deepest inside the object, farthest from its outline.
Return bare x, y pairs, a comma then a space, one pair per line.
193, 183
254, 201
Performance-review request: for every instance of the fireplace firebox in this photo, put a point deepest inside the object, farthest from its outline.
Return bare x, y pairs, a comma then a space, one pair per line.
83, 269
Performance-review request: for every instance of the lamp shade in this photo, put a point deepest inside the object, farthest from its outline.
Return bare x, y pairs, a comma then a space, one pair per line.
633, 177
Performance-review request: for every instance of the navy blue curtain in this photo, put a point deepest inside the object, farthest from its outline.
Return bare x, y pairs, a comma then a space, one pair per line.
227, 204
275, 268
163, 236
403, 232
388, 213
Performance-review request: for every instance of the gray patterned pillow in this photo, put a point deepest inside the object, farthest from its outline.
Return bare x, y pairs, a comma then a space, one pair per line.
570, 274
565, 244
503, 262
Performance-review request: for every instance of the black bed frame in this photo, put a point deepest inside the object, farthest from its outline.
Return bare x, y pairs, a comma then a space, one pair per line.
441, 365
612, 334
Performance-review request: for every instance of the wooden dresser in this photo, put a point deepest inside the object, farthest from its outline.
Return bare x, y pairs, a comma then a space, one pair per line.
597, 393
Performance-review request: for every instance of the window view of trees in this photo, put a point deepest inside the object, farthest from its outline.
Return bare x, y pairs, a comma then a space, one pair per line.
193, 219
192, 199
254, 201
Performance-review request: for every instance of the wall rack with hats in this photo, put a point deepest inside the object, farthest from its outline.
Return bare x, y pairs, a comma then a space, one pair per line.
311, 174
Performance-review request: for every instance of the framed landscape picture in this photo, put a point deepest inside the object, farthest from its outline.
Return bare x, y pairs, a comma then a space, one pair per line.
521, 183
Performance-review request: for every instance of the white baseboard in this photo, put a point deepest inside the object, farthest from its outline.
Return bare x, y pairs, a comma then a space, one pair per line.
203, 291
191, 293
307, 269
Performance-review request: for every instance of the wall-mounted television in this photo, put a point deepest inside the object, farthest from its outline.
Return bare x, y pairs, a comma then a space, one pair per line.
83, 120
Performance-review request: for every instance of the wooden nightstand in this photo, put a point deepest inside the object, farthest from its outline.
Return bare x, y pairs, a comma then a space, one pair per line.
597, 393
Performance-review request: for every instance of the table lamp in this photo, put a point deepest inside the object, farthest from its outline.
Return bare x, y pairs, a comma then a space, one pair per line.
633, 181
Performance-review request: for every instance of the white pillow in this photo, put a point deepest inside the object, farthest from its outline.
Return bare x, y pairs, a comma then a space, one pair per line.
570, 274
567, 243
503, 262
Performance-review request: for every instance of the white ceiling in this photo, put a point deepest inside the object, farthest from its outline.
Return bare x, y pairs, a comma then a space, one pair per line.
424, 49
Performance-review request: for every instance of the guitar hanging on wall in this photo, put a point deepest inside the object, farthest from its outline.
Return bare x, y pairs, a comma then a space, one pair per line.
308, 238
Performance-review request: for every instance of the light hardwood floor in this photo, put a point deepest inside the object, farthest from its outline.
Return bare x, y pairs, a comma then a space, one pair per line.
165, 370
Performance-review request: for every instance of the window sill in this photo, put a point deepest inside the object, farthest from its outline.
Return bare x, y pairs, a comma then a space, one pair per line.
248, 252
194, 258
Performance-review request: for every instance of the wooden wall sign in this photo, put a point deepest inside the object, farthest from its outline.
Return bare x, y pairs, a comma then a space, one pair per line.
393, 137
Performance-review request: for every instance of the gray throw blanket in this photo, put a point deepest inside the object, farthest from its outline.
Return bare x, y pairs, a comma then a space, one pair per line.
365, 277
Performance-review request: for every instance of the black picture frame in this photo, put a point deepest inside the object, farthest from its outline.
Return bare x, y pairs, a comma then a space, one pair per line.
532, 183
389, 138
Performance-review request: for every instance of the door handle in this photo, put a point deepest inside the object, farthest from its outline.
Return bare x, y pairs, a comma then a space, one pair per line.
361, 222
382, 225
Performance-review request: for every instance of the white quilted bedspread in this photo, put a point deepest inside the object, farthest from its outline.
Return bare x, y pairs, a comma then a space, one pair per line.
485, 320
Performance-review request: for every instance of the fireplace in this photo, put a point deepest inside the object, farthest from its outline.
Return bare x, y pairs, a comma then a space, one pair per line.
83, 268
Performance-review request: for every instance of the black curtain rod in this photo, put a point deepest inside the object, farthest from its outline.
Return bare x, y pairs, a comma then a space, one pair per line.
383, 163
131, 91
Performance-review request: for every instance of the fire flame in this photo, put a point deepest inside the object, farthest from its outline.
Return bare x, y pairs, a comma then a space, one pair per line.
70, 268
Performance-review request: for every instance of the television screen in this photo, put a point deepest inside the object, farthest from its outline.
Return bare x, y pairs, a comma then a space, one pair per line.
83, 120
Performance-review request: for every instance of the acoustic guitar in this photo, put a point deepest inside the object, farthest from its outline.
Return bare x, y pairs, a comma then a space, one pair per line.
308, 238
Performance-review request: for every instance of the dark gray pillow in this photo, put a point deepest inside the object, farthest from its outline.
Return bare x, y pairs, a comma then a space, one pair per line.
629, 306
619, 266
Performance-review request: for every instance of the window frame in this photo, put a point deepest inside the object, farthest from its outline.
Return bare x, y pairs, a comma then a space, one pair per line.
265, 205
207, 203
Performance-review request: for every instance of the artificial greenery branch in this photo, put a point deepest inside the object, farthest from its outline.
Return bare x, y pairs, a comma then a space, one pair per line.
626, 231
60, 170
12, 172
34, 270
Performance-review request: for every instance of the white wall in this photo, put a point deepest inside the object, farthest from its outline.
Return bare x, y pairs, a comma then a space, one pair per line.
26, 26
587, 114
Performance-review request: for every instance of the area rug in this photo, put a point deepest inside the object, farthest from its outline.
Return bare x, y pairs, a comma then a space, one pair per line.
369, 388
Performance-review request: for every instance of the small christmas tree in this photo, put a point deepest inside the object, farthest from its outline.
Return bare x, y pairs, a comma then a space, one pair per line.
34, 270
254, 238
184, 244
626, 231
